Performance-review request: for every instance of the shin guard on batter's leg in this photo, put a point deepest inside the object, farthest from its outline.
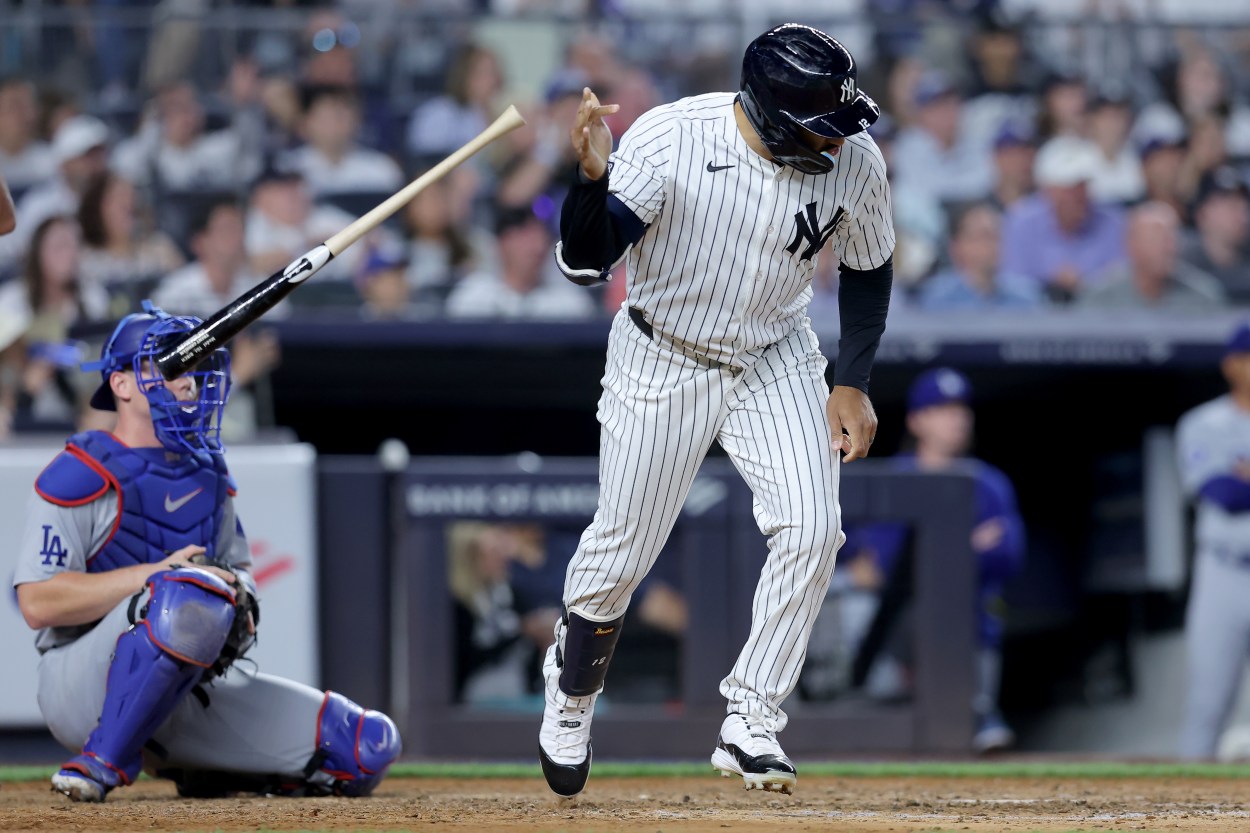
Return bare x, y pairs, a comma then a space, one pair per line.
155, 664
574, 671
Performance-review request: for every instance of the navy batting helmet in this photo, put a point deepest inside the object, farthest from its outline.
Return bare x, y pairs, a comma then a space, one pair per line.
794, 79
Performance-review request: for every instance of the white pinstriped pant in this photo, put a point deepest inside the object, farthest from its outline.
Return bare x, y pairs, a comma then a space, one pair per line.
659, 413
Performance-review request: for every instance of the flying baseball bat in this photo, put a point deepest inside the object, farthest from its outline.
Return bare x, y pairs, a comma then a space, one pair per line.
226, 323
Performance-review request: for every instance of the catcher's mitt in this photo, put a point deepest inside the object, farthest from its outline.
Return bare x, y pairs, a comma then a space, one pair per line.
242, 634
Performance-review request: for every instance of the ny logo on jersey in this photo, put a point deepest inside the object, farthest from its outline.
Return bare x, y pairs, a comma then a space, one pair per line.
808, 228
52, 548
848, 89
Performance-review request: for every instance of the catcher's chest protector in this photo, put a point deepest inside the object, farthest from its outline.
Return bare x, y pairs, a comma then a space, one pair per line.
168, 500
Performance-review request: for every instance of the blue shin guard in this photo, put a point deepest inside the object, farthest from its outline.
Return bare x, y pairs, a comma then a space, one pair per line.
355, 747
155, 664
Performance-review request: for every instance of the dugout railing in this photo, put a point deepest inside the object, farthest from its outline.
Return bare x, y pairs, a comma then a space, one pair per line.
719, 552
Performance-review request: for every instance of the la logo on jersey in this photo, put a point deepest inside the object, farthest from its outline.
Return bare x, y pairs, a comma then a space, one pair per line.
52, 548
848, 89
808, 228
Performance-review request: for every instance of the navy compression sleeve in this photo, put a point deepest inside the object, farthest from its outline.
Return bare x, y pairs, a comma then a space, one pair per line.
863, 301
595, 230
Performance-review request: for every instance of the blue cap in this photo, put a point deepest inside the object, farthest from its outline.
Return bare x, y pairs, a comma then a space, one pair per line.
566, 82
1013, 134
380, 258
931, 86
1239, 341
119, 353
938, 386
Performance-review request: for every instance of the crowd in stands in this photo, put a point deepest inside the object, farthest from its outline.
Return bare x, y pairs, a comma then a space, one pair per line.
1019, 181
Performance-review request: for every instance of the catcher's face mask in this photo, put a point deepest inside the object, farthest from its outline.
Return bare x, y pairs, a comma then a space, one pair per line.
186, 413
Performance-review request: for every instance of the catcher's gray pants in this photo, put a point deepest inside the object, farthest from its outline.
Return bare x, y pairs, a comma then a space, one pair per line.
253, 723
1217, 640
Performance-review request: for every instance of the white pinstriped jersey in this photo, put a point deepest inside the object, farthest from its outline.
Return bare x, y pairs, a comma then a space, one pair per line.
725, 265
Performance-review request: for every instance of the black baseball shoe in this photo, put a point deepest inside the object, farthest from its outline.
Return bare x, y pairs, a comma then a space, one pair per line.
564, 740
748, 747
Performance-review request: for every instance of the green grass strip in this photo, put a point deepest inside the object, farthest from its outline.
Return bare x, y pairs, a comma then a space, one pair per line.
1073, 770
926, 769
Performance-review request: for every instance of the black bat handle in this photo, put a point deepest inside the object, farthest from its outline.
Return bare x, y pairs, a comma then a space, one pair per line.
226, 323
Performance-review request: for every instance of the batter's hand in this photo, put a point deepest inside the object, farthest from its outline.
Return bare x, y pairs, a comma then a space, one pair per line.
852, 422
592, 140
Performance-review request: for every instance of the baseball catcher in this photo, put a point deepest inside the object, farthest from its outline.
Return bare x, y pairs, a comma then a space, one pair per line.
135, 571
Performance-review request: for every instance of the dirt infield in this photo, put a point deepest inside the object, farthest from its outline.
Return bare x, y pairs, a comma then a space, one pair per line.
706, 805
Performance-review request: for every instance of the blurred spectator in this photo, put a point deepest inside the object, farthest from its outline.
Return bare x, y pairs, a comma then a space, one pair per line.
8, 213
331, 161
497, 643
1153, 277
441, 250
543, 174
635, 92
1119, 176
1162, 161
1219, 244
1197, 88
217, 276
1001, 88
50, 298
595, 57
329, 44
283, 111
1211, 451
524, 286
1205, 151
1059, 237
1014, 155
931, 156
1064, 104
383, 284
80, 149
283, 223
24, 160
172, 152
447, 122
121, 247
973, 280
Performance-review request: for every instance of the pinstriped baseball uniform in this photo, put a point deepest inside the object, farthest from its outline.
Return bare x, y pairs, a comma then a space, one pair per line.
713, 343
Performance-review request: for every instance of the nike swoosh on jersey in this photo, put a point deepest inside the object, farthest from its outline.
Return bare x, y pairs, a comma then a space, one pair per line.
175, 505
714, 168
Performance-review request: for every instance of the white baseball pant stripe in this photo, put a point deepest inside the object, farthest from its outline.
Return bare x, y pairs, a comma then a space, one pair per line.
660, 412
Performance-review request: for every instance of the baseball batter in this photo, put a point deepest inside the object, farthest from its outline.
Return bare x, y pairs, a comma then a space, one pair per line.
1214, 448
136, 572
722, 203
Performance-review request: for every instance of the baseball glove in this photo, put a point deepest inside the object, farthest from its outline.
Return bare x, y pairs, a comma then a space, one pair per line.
242, 634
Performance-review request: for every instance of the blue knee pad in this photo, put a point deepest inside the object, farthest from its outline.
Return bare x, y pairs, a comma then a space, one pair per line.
156, 662
355, 747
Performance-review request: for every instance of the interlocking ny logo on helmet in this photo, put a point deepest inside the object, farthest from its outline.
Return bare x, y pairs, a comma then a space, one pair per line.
796, 78
185, 419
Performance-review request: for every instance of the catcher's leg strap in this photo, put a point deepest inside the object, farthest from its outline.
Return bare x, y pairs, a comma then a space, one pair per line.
585, 651
355, 747
156, 663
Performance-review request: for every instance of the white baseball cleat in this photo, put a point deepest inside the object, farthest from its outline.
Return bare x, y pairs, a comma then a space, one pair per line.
564, 740
748, 747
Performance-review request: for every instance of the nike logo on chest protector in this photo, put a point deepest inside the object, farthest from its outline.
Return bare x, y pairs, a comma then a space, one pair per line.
174, 505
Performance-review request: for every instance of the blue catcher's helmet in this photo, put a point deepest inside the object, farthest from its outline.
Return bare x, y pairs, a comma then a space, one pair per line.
191, 422
797, 78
